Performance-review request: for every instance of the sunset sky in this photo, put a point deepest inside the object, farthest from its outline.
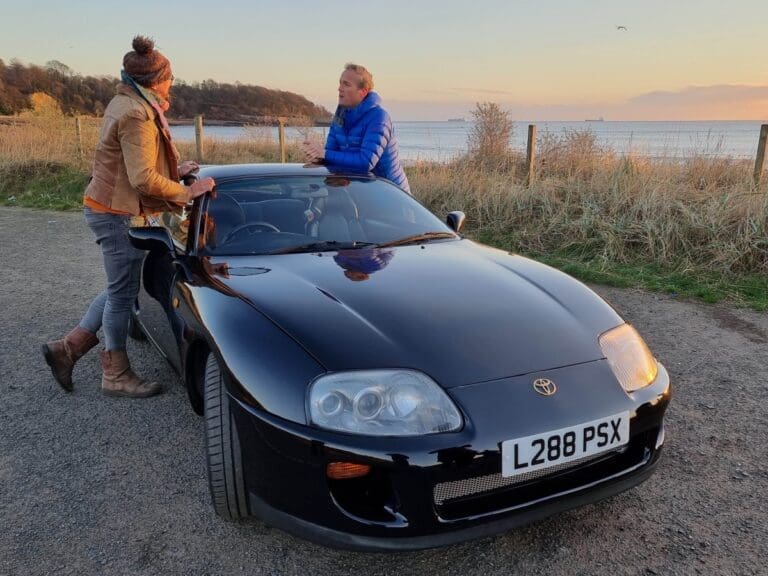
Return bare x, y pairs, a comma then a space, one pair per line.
433, 59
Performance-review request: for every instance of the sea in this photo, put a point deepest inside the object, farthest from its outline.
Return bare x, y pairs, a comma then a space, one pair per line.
442, 141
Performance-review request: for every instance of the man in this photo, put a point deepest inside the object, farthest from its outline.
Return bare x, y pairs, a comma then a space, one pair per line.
135, 172
361, 138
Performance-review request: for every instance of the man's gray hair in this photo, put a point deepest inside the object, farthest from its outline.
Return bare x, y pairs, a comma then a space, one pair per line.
366, 78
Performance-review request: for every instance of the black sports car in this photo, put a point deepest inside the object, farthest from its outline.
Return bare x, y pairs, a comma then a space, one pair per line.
370, 379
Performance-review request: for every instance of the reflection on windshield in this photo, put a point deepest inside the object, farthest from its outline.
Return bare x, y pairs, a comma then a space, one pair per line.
207, 237
359, 264
337, 181
273, 215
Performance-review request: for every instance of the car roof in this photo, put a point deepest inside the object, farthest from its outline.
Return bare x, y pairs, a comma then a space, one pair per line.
226, 171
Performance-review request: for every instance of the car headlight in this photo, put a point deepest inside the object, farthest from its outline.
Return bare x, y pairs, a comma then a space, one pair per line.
629, 357
382, 403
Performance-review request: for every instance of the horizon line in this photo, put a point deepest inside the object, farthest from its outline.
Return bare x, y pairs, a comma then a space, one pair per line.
467, 120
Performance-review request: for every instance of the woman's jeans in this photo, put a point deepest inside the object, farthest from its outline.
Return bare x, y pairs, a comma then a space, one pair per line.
122, 262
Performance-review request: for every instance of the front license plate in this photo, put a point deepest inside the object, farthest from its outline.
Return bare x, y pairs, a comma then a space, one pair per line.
556, 447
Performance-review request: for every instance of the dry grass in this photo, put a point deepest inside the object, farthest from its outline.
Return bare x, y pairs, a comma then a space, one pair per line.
50, 140
53, 140
698, 213
242, 151
258, 145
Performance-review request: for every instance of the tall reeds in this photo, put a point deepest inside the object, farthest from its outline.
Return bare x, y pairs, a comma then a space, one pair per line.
594, 206
47, 140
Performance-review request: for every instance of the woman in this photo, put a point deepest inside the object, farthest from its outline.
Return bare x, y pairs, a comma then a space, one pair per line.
135, 172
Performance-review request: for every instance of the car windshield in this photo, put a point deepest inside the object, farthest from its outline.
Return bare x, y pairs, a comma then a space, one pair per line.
280, 215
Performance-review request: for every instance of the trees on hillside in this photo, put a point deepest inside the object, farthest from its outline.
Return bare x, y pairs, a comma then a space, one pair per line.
89, 95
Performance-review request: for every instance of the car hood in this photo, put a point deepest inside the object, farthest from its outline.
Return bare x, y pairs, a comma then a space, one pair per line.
459, 311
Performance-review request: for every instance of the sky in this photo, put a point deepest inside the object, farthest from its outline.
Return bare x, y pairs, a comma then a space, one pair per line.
434, 59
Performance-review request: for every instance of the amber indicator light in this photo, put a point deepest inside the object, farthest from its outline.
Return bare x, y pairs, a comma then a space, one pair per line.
344, 470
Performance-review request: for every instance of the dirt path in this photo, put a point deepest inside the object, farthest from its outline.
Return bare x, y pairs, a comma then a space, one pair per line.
91, 485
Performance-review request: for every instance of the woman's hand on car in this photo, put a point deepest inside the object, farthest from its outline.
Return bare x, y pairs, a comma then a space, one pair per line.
200, 187
188, 167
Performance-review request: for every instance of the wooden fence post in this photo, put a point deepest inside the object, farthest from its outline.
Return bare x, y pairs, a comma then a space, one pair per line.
79, 136
199, 144
760, 160
281, 137
531, 155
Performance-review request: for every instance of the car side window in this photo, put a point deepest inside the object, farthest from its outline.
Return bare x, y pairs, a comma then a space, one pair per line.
177, 225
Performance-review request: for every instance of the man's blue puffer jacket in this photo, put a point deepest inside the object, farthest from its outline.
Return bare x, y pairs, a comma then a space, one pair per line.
362, 139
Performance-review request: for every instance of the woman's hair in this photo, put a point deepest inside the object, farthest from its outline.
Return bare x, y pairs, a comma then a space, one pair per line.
145, 64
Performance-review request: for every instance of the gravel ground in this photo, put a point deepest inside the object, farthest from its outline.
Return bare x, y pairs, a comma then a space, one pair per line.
94, 485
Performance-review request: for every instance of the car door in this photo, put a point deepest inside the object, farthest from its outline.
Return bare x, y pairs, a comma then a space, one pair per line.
156, 312
158, 298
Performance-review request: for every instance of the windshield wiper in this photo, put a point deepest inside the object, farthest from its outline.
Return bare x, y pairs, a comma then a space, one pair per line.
423, 237
323, 246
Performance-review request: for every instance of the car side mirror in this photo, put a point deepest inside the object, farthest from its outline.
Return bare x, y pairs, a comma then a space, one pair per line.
151, 238
456, 220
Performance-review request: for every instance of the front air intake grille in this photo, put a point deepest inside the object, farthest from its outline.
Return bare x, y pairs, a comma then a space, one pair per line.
447, 491
485, 493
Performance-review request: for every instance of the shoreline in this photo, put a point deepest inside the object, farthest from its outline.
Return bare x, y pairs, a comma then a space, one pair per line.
444, 141
269, 123
266, 121
271, 120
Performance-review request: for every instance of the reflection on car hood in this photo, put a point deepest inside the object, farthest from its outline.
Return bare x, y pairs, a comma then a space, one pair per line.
459, 311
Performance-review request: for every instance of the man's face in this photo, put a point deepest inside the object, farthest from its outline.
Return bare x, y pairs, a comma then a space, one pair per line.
350, 93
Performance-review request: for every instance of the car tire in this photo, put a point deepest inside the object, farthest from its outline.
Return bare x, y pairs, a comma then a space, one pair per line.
222, 447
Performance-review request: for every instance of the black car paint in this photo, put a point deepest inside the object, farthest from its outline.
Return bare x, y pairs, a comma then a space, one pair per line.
297, 456
354, 326
474, 313
247, 317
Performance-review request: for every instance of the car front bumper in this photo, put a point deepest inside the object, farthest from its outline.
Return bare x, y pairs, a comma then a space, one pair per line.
435, 490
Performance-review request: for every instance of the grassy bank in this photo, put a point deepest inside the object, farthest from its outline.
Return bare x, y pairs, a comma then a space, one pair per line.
695, 227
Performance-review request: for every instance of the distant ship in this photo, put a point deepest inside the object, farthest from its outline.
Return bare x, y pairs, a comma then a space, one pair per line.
599, 119
456, 120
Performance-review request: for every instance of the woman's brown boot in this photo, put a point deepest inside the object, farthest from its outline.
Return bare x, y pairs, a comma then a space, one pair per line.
119, 380
61, 355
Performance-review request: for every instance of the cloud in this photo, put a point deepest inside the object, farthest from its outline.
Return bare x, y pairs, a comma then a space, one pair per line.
719, 94
716, 102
